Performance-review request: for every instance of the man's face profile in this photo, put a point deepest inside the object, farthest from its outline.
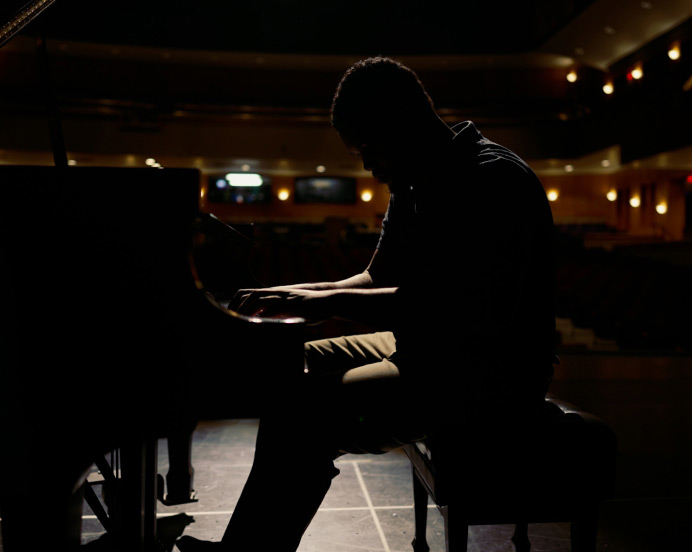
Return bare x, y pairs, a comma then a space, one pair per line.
381, 157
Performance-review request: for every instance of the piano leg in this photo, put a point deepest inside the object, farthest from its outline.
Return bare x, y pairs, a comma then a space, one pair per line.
180, 477
133, 512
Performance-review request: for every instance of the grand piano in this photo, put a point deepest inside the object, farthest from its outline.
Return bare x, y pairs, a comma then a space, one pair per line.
110, 339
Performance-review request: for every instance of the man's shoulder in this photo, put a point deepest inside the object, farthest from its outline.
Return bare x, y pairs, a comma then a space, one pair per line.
496, 161
484, 153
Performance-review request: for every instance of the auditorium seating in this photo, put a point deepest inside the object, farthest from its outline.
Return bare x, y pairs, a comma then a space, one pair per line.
636, 295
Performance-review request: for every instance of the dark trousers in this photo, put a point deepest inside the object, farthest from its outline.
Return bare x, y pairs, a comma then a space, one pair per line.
352, 399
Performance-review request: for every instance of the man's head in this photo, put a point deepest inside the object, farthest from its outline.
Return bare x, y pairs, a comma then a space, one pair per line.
376, 93
380, 110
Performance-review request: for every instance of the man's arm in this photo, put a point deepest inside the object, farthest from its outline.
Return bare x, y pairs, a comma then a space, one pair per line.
362, 280
373, 306
355, 298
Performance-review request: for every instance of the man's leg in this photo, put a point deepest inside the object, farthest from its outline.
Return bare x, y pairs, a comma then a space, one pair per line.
346, 403
295, 449
291, 473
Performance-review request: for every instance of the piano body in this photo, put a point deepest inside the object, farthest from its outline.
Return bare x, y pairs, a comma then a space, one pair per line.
109, 339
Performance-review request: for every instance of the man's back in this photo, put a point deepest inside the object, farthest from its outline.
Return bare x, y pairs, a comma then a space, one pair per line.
474, 250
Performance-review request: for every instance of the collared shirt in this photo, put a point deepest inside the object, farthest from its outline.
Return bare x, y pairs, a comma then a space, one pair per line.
473, 247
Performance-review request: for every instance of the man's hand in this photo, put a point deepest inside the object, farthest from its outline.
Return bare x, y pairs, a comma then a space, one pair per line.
312, 305
246, 301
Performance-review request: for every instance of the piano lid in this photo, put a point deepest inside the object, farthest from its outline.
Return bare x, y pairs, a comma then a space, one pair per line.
17, 14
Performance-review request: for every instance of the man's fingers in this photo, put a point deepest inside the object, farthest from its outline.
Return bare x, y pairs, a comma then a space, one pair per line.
240, 298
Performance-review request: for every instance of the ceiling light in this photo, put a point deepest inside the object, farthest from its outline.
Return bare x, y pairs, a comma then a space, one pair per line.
569, 168
150, 161
605, 163
320, 168
245, 167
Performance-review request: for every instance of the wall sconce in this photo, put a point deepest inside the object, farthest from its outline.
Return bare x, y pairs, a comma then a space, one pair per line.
662, 208
674, 51
612, 195
366, 195
553, 195
635, 201
283, 194
572, 76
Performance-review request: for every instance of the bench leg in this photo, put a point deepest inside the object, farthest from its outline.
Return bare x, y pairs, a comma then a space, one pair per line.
583, 533
521, 537
420, 512
456, 531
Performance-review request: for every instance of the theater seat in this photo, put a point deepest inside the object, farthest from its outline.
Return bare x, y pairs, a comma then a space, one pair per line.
558, 470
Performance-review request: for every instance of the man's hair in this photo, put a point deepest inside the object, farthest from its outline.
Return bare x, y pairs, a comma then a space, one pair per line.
377, 91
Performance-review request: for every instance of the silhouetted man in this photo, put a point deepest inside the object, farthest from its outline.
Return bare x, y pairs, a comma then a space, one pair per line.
460, 285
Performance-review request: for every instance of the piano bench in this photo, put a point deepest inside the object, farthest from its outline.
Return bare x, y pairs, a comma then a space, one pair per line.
559, 471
